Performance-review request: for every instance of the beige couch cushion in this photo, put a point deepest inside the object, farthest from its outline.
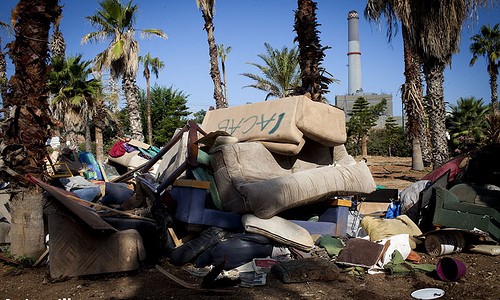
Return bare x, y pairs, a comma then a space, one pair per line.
282, 124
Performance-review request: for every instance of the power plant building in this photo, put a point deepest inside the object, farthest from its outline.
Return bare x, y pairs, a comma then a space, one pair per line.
355, 89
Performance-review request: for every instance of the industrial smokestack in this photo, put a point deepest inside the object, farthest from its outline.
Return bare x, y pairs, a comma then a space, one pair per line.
354, 54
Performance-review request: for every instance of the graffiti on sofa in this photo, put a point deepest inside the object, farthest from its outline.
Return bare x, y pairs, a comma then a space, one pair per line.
245, 125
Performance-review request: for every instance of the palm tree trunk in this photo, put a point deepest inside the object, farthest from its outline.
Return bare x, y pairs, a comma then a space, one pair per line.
226, 101
494, 117
3, 74
129, 88
88, 138
27, 130
417, 162
412, 98
99, 144
148, 108
494, 92
99, 125
434, 77
214, 65
114, 94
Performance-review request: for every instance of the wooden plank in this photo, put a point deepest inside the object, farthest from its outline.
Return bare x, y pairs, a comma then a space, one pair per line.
9, 260
339, 202
41, 258
176, 240
103, 172
192, 183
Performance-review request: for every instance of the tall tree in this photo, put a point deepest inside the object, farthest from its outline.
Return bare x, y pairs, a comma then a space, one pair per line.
434, 29
156, 65
412, 92
280, 72
392, 131
168, 112
207, 8
74, 95
436, 33
26, 128
467, 124
223, 52
115, 21
311, 53
362, 118
487, 43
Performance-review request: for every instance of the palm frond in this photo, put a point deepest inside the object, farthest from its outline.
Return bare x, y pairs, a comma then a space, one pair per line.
207, 7
147, 33
280, 71
94, 37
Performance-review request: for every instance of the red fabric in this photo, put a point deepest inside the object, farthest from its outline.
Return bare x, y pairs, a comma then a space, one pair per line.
452, 165
117, 150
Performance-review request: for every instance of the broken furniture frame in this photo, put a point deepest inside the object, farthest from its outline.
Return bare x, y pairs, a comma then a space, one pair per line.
191, 159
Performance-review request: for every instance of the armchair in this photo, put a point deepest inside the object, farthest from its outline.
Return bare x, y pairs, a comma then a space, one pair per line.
456, 208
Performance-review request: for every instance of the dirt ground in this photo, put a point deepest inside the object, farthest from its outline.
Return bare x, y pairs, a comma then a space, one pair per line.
480, 281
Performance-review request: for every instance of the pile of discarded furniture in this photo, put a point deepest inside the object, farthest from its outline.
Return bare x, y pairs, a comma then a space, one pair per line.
463, 197
260, 187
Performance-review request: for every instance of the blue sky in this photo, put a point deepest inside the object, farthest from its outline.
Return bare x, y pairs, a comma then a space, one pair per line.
246, 26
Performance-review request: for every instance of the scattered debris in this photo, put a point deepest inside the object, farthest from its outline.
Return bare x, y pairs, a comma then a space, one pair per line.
269, 190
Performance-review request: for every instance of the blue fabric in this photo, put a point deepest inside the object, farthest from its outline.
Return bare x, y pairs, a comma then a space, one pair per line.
88, 194
393, 210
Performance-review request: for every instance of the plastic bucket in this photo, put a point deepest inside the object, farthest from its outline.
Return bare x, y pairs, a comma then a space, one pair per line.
444, 243
450, 269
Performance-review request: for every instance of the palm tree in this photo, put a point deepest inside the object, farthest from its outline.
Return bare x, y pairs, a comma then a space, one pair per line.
434, 29
74, 94
311, 53
412, 93
156, 65
280, 72
467, 124
116, 21
223, 52
26, 129
207, 8
487, 44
